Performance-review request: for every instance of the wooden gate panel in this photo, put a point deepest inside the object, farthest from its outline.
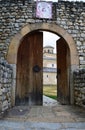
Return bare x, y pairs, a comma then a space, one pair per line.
37, 69
63, 66
29, 88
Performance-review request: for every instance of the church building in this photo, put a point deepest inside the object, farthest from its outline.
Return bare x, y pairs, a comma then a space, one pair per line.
49, 66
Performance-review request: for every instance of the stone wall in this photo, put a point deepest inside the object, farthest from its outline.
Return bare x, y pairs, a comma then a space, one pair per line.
14, 16
5, 85
79, 87
69, 15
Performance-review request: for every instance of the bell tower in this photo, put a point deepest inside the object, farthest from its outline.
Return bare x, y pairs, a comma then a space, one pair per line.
48, 49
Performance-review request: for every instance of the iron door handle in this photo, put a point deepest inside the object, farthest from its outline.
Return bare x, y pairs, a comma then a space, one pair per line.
36, 69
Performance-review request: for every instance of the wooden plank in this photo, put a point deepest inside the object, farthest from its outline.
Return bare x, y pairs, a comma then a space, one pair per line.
29, 83
63, 64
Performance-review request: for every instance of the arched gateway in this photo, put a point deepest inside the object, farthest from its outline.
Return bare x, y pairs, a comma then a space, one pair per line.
22, 50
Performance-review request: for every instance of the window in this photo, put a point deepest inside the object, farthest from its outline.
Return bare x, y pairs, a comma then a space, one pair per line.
48, 51
52, 65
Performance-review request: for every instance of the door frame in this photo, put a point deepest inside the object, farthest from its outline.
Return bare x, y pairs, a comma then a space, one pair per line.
15, 42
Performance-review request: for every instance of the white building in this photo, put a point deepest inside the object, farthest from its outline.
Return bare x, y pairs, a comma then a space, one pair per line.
49, 66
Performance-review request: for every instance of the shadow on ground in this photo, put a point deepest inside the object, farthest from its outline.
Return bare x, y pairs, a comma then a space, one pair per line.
51, 111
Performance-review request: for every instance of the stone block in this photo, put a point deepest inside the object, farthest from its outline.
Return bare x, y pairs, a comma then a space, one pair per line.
5, 103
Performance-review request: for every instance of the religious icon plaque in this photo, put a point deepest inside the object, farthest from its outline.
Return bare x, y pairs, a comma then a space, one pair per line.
44, 10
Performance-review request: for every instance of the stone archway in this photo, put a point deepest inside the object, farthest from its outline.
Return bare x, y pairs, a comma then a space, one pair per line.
14, 45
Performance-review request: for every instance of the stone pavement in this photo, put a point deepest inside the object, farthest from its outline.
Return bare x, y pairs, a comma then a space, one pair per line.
47, 117
11, 125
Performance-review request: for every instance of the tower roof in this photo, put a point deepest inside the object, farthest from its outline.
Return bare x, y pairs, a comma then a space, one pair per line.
48, 47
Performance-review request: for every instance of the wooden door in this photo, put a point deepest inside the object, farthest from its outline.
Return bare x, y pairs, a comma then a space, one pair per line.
29, 89
63, 67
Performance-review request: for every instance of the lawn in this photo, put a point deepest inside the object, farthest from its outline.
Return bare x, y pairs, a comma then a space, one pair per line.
50, 91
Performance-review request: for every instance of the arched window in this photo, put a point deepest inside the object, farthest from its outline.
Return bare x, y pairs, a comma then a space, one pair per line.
52, 65
48, 51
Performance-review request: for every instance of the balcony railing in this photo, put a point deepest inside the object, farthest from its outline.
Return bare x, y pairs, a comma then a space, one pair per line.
52, 70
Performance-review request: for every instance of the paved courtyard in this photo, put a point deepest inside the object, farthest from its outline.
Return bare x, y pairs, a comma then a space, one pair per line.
50, 116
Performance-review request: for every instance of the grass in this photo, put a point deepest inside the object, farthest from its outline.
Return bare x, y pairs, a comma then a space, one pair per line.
50, 91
